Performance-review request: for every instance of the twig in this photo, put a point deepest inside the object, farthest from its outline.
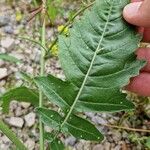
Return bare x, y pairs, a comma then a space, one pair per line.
126, 128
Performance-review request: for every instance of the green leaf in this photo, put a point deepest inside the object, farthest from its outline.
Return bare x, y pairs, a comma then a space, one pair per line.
76, 126
98, 60
9, 58
49, 117
55, 143
26, 77
148, 142
19, 94
82, 129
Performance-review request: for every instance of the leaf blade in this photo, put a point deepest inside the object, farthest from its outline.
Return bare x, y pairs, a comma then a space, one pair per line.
19, 94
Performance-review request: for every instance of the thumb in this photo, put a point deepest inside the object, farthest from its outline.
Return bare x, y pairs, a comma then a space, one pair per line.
138, 13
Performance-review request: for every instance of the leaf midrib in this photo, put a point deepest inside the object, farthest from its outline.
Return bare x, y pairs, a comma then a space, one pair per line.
88, 72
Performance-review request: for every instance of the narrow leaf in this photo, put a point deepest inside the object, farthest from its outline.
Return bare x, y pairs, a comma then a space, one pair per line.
9, 58
82, 129
19, 94
76, 126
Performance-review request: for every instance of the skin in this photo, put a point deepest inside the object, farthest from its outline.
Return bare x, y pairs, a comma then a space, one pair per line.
138, 14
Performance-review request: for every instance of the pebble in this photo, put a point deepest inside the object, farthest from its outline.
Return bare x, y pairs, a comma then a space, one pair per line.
99, 147
30, 144
25, 105
8, 29
4, 20
3, 73
30, 119
99, 120
7, 43
70, 141
16, 122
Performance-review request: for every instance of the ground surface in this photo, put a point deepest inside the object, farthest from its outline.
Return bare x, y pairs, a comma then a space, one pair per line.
22, 118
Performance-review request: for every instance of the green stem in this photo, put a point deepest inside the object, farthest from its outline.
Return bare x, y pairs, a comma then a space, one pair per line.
42, 71
4, 128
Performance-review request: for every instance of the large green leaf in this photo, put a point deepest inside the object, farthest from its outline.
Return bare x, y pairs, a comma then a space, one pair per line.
19, 94
98, 60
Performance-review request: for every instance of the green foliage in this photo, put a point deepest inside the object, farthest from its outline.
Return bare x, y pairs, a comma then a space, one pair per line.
148, 142
19, 94
9, 58
55, 143
98, 60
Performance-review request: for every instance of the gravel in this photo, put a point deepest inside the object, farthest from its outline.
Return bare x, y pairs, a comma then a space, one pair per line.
30, 119
4, 20
8, 43
3, 73
16, 122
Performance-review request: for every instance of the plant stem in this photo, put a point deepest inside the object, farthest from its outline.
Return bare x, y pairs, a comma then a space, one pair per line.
126, 128
4, 128
42, 71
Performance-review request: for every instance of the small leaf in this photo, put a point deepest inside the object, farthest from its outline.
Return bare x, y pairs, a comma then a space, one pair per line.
19, 94
76, 126
9, 58
49, 117
82, 129
54, 143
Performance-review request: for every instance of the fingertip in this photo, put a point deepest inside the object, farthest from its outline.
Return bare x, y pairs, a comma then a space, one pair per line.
130, 12
140, 84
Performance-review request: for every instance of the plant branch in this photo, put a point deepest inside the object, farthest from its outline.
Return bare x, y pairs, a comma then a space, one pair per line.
42, 71
4, 128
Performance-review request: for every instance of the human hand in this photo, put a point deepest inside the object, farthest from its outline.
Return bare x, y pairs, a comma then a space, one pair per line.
138, 14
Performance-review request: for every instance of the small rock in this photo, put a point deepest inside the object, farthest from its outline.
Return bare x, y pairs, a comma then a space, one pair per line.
18, 112
30, 144
99, 147
30, 119
25, 105
4, 20
9, 30
70, 141
89, 114
16, 122
7, 43
99, 120
3, 73
107, 146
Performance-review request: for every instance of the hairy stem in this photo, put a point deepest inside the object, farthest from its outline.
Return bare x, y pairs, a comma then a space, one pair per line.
4, 128
42, 71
